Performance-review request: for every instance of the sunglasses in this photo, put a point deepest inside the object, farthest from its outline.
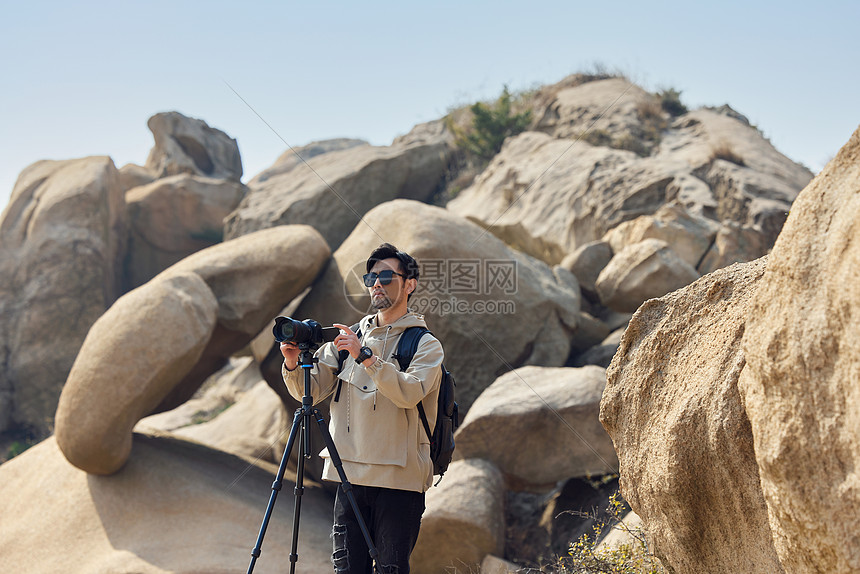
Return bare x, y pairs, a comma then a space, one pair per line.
385, 276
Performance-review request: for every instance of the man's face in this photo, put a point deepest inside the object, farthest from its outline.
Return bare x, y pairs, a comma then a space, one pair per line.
385, 296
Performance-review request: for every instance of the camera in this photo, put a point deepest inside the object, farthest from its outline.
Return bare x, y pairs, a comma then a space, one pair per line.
308, 331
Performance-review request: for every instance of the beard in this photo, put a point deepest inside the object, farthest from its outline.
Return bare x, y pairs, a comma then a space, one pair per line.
380, 302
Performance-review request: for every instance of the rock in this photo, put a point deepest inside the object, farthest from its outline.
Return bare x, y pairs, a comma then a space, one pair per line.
620, 535
540, 425
733, 243
495, 565
174, 217
334, 191
587, 262
463, 521
676, 418
60, 261
220, 391
640, 272
176, 507
187, 322
188, 145
689, 161
132, 175
293, 158
600, 355
130, 361
800, 383
251, 427
688, 235
575, 509
591, 332
493, 308
253, 277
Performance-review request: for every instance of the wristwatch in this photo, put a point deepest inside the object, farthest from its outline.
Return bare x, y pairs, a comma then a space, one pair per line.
364, 354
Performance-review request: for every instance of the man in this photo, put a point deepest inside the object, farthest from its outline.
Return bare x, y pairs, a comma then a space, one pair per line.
374, 418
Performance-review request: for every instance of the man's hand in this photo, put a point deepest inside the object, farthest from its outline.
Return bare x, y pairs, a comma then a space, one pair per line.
347, 340
290, 351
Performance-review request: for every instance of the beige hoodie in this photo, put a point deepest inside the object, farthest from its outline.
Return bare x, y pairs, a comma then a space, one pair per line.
375, 423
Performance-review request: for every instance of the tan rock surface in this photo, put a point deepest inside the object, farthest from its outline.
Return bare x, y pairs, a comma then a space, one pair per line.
123, 372
518, 195
801, 385
176, 508
640, 272
486, 323
174, 217
189, 145
337, 188
675, 415
60, 249
464, 519
539, 426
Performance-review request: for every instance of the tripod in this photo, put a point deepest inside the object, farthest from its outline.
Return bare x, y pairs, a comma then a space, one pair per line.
301, 426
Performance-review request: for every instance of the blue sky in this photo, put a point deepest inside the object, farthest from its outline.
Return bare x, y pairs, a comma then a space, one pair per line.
82, 79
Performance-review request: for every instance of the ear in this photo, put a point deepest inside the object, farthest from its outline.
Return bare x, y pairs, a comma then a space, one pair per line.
411, 285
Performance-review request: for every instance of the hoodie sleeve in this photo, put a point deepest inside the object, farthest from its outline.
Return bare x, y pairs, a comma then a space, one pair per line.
323, 377
406, 388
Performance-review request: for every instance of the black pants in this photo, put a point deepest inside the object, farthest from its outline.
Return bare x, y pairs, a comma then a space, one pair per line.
393, 518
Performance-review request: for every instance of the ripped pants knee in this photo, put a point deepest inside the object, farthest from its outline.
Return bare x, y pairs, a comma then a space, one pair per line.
340, 553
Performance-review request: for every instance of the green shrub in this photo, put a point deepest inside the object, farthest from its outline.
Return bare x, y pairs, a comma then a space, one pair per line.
491, 125
670, 100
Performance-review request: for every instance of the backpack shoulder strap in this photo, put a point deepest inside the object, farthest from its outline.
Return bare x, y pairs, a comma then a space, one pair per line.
406, 348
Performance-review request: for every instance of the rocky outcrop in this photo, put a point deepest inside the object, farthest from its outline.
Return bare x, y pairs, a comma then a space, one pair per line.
185, 323
123, 373
714, 165
296, 157
172, 218
800, 384
539, 426
466, 518
189, 145
176, 507
335, 189
60, 250
235, 398
493, 308
640, 272
676, 418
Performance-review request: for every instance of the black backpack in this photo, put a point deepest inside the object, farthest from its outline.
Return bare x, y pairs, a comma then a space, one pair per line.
447, 412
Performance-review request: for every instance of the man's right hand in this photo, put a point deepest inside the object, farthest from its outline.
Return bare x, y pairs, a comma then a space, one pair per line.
290, 351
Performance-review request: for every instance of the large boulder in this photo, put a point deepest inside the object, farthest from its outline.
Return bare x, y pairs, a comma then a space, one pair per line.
712, 163
295, 157
188, 145
173, 217
464, 520
493, 308
539, 426
801, 384
123, 373
184, 324
60, 260
177, 508
676, 418
642, 271
335, 189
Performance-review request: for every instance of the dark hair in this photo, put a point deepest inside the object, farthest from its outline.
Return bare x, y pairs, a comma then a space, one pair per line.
408, 265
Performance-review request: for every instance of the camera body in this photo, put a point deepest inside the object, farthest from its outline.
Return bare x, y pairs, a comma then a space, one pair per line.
307, 332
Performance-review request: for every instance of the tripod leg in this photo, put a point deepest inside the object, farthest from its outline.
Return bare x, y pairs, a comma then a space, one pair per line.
276, 487
300, 490
347, 487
